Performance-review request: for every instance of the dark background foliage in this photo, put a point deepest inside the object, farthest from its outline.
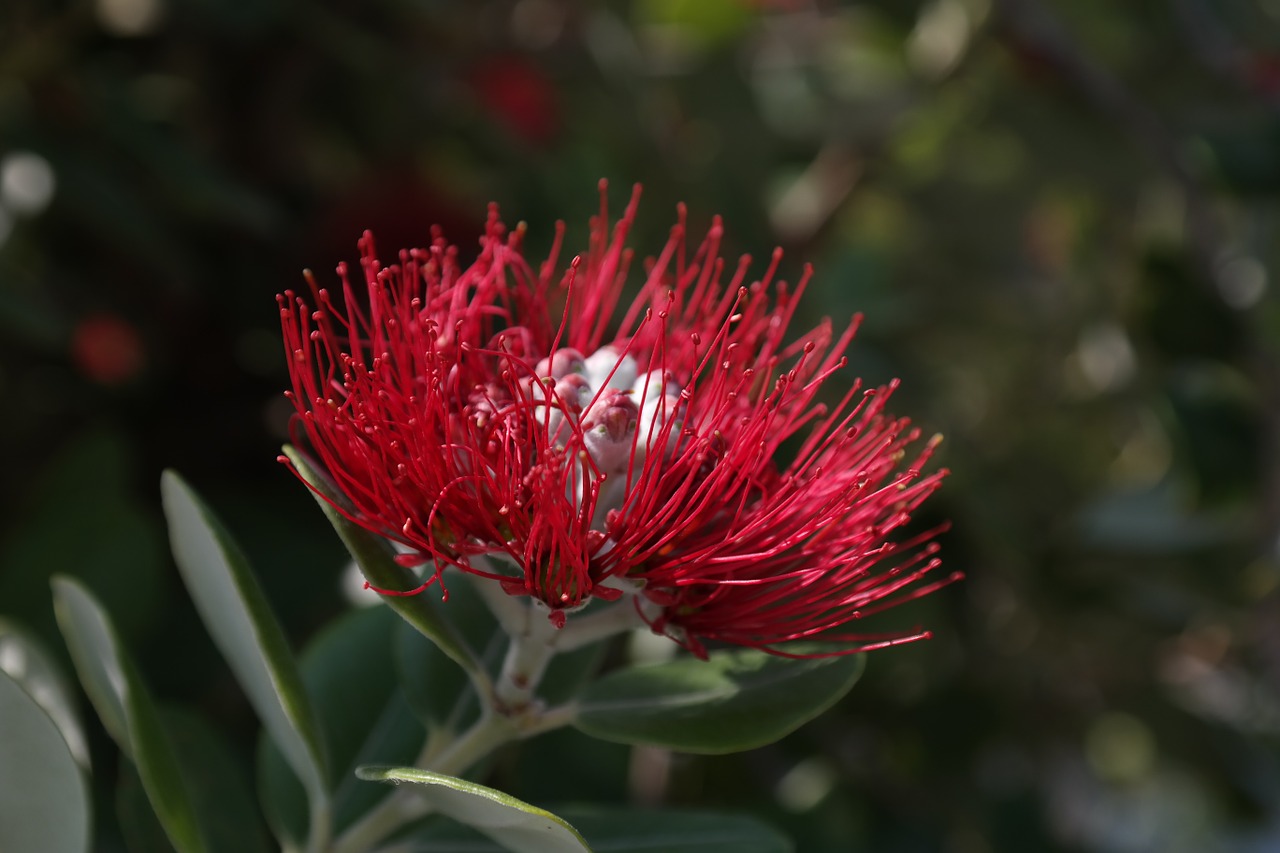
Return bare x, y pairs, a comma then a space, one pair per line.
1058, 215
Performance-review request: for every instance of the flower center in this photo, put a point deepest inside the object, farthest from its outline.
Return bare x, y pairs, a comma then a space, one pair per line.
620, 413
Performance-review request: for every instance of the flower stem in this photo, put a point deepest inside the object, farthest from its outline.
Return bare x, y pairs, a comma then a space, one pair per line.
510, 710
549, 720
532, 648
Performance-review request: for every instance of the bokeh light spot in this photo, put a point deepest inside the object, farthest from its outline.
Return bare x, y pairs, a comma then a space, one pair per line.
107, 349
1120, 748
129, 17
939, 39
27, 184
806, 784
1242, 281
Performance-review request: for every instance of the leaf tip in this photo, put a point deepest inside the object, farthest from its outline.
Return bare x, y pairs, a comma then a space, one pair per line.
172, 488
372, 772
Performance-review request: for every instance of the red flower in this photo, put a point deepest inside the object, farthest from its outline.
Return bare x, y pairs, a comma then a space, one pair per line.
684, 459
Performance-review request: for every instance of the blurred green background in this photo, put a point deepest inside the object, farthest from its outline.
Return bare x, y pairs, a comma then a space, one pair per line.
1059, 216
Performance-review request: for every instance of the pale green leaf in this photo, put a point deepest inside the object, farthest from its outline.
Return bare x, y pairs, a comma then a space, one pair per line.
376, 559
44, 804
614, 830
126, 709
515, 824
236, 613
618, 830
735, 700
27, 661
349, 672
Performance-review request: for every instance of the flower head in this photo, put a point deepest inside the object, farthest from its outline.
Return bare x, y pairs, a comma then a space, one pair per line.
502, 419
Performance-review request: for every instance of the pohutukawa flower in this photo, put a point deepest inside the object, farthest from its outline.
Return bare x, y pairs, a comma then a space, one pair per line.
499, 418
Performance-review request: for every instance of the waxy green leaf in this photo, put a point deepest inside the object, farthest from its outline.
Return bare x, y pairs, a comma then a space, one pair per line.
376, 559
126, 709
237, 616
617, 830
735, 700
44, 804
349, 672
27, 662
217, 784
513, 823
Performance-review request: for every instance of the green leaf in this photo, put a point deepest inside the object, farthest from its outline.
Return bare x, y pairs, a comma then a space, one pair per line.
587, 769
349, 672
141, 831
618, 830
735, 700
95, 653
126, 709
376, 559
236, 613
438, 834
27, 662
44, 804
221, 789
515, 824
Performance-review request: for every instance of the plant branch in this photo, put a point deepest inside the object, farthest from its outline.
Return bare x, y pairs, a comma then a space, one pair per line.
527, 657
